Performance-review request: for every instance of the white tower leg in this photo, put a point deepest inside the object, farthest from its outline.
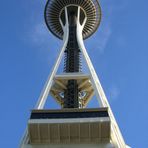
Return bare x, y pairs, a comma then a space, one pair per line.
42, 99
115, 131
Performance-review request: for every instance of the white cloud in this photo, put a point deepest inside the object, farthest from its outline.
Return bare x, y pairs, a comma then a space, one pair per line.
97, 43
121, 40
40, 35
100, 39
103, 37
114, 93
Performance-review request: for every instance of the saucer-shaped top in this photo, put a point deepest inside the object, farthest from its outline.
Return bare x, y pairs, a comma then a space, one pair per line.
54, 10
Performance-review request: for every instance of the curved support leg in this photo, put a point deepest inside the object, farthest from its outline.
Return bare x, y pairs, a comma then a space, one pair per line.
42, 99
97, 86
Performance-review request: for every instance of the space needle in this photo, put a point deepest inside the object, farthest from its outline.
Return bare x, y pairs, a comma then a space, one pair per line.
74, 125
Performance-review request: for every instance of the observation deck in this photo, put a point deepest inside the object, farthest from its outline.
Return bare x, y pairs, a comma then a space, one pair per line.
89, 9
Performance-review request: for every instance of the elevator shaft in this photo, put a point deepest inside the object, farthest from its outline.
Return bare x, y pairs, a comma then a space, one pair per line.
72, 64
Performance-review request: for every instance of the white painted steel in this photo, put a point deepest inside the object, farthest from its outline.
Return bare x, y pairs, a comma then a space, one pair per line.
41, 102
70, 120
115, 131
76, 75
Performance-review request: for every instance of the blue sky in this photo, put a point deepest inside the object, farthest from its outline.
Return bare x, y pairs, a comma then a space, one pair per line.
119, 52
